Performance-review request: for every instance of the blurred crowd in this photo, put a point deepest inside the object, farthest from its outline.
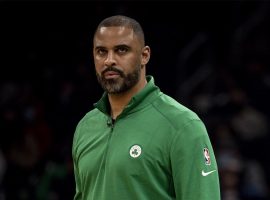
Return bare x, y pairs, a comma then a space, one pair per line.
38, 119
225, 79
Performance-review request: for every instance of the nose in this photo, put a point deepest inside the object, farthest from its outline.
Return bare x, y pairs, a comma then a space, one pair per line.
110, 59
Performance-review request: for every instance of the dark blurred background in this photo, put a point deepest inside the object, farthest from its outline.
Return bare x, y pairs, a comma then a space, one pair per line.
212, 56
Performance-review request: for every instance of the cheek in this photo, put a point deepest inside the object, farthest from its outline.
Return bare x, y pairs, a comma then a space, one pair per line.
98, 71
132, 63
98, 66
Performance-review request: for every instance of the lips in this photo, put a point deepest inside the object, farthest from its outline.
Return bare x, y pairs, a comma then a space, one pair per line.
111, 74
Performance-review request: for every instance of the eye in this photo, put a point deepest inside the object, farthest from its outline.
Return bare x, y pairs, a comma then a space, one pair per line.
101, 52
122, 49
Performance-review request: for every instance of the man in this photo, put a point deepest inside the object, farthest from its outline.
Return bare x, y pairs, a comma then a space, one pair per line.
138, 143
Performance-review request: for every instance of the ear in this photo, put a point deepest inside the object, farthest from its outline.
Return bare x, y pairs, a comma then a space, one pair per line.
146, 52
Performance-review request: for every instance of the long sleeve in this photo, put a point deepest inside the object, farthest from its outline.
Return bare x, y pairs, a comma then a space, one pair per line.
78, 191
194, 167
78, 194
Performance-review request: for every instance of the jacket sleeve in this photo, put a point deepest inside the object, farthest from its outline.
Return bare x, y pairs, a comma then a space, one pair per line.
78, 191
194, 167
78, 194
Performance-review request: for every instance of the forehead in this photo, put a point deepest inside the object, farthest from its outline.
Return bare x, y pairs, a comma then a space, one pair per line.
114, 35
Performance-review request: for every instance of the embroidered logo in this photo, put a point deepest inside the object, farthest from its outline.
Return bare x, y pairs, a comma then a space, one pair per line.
207, 173
206, 156
135, 151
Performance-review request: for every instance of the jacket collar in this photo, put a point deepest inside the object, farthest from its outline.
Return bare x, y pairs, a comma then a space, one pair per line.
138, 101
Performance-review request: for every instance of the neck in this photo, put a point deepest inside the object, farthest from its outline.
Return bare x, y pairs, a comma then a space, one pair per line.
119, 101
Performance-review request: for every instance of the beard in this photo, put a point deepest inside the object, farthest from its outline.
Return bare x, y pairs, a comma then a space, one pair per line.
121, 84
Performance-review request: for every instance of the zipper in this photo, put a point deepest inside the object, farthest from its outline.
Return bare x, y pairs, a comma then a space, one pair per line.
110, 123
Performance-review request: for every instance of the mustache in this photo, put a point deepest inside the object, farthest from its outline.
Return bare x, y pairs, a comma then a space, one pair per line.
114, 69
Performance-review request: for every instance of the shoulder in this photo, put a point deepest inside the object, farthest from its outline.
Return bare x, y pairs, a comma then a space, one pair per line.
89, 120
174, 112
186, 123
91, 115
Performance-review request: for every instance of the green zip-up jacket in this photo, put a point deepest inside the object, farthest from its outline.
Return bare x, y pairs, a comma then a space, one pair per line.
156, 149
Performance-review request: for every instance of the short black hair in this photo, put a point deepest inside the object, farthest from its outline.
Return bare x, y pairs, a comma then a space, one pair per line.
121, 20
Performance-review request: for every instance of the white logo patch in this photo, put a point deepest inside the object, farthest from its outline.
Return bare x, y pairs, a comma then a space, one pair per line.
206, 154
135, 151
207, 173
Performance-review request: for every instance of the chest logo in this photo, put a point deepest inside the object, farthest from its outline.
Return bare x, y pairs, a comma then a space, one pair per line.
135, 151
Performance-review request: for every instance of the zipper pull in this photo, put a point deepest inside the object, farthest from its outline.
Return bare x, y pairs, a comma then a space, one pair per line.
110, 123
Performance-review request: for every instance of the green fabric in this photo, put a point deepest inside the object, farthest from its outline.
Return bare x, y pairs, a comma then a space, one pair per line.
166, 160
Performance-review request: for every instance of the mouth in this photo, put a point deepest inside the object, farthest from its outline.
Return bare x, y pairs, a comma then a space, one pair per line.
111, 75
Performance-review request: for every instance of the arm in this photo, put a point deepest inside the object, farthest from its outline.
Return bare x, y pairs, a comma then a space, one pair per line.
194, 166
78, 192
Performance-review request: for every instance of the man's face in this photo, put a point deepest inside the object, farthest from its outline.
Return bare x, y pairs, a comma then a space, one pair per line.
118, 58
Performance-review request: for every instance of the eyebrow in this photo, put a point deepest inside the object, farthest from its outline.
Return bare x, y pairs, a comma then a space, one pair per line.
99, 47
122, 45
115, 47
